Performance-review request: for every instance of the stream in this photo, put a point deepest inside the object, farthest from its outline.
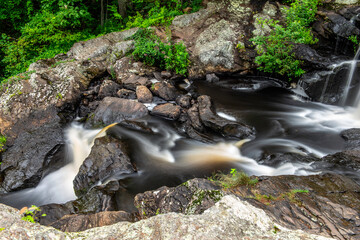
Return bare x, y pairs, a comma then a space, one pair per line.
285, 123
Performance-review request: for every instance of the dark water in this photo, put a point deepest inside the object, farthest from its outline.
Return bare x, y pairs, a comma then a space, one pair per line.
285, 124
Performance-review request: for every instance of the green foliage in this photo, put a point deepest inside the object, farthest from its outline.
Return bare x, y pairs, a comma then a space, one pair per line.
2, 229
2, 143
276, 50
38, 29
234, 179
29, 214
151, 50
47, 33
355, 41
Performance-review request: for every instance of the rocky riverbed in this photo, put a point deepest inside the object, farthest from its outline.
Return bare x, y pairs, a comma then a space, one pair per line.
98, 83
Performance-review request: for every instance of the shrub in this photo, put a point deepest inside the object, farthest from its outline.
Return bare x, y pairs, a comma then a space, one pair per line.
276, 50
150, 49
29, 214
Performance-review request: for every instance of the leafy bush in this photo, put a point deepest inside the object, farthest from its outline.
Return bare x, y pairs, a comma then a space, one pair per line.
151, 50
276, 50
234, 179
2, 143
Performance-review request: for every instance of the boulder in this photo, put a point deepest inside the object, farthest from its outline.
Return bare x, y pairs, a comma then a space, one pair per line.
108, 88
133, 81
164, 90
221, 125
82, 222
109, 47
111, 110
326, 204
184, 101
192, 197
127, 94
24, 163
126, 67
351, 137
167, 110
143, 94
230, 218
108, 159
211, 77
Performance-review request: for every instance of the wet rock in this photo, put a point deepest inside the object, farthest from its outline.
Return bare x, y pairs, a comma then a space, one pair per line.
23, 163
108, 88
127, 94
320, 204
194, 117
108, 159
212, 78
143, 94
111, 110
351, 137
81, 222
311, 59
93, 201
167, 110
221, 125
192, 197
164, 90
348, 158
50, 213
184, 101
134, 80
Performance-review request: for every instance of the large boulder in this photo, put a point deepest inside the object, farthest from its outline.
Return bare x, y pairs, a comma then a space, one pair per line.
26, 161
111, 110
192, 197
108, 159
230, 218
167, 110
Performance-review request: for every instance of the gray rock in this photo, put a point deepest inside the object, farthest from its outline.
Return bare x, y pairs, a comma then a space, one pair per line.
99, 48
215, 45
165, 90
111, 110
23, 163
230, 218
184, 101
108, 88
134, 80
143, 94
352, 138
127, 94
192, 197
81, 222
108, 158
212, 78
167, 110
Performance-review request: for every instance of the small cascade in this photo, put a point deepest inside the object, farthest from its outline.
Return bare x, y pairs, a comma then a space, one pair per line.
350, 77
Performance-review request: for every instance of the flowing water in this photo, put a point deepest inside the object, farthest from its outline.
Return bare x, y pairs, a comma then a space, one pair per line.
284, 124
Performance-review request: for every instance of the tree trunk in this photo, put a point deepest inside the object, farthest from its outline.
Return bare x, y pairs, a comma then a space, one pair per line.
102, 14
122, 7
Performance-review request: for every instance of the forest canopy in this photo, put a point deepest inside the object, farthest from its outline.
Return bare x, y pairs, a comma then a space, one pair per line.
38, 29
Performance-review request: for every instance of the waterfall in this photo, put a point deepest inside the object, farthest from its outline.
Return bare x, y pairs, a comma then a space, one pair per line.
349, 79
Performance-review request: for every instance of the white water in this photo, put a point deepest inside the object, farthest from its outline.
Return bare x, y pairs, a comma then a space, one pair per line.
57, 187
350, 78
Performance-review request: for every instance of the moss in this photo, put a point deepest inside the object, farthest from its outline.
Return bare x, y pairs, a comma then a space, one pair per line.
199, 196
